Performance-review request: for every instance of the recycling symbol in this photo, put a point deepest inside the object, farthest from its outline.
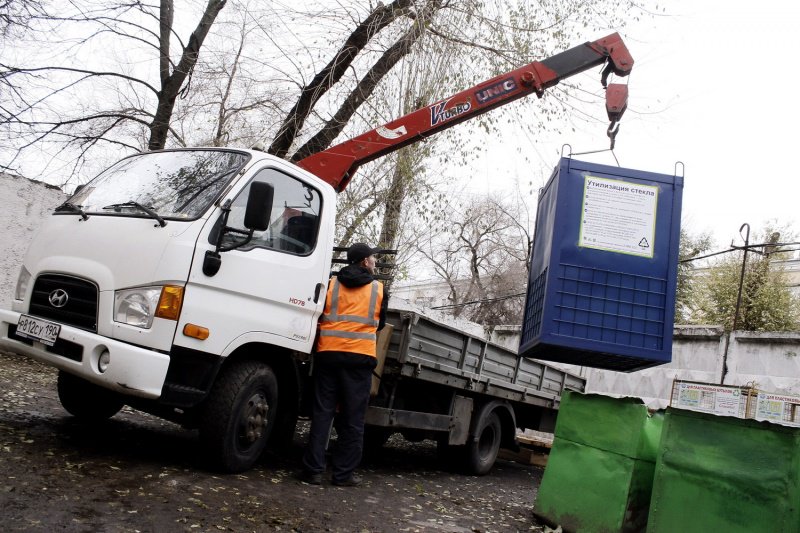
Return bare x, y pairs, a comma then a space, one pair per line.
643, 243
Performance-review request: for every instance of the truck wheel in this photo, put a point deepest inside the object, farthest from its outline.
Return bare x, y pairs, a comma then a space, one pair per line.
86, 400
481, 453
239, 416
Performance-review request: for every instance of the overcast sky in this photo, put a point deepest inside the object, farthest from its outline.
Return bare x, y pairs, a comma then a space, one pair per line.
715, 86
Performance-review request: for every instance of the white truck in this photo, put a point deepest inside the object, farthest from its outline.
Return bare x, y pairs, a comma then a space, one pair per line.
188, 283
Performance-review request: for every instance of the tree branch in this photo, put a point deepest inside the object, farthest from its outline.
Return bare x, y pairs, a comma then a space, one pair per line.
326, 78
11, 71
363, 90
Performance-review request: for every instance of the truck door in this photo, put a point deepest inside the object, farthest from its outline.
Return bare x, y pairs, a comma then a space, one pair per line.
272, 289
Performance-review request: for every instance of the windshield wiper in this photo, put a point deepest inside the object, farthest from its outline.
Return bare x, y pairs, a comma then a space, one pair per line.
72, 208
140, 207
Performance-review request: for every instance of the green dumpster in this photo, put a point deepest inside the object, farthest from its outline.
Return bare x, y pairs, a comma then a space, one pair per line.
600, 471
725, 474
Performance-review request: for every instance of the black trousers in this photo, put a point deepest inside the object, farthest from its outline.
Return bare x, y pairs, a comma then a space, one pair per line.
340, 379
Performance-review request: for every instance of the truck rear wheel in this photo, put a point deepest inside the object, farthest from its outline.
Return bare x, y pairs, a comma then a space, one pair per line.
239, 415
481, 453
86, 400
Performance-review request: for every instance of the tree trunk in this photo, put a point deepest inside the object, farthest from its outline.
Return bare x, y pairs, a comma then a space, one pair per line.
172, 83
360, 94
381, 16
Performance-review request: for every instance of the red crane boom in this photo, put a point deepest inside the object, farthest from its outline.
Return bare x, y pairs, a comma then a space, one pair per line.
337, 164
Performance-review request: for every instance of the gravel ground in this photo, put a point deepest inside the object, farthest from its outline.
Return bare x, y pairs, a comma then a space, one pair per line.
139, 473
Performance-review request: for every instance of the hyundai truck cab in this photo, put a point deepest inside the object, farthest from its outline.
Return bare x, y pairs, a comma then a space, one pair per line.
152, 276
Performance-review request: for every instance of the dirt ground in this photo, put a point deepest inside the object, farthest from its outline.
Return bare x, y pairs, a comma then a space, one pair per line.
139, 473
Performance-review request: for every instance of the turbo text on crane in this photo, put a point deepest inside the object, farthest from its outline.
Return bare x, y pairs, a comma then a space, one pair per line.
441, 113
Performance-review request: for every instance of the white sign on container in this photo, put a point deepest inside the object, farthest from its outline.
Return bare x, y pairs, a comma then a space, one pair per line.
618, 216
714, 399
779, 408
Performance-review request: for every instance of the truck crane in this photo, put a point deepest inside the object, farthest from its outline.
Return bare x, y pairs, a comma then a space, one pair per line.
337, 164
188, 283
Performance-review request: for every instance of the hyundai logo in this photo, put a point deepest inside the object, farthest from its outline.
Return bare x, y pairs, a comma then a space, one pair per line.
58, 298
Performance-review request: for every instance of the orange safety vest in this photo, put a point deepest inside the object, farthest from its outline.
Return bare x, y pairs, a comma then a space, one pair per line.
350, 320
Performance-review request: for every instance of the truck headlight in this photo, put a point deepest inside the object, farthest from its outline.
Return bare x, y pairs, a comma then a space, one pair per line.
22, 284
138, 307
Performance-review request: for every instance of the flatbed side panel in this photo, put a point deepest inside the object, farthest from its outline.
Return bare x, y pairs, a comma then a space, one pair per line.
439, 346
505, 391
395, 349
530, 373
474, 354
500, 363
420, 344
575, 383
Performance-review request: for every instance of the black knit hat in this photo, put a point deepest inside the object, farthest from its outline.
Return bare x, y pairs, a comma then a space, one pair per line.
359, 251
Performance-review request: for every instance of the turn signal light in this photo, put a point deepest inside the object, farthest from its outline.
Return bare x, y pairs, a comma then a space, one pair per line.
195, 331
169, 304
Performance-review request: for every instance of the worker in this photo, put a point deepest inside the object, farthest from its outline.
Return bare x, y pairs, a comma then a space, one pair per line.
344, 358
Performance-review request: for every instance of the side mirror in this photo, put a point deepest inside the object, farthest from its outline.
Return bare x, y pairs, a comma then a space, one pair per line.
259, 206
256, 218
211, 263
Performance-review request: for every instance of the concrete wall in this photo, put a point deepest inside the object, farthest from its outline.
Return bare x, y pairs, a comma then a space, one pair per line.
696, 356
25, 205
767, 361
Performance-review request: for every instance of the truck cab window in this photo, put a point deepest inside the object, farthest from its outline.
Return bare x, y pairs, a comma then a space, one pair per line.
294, 221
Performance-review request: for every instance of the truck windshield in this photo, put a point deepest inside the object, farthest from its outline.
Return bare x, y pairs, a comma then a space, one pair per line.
172, 184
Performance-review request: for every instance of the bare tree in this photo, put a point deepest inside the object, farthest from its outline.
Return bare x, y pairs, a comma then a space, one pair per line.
274, 82
482, 257
16, 15
43, 100
233, 95
691, 246
476, 38
174, 76
379, 18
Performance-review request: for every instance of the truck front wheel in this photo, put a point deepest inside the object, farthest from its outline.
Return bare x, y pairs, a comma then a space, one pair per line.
86, 400
239, 415
481, 453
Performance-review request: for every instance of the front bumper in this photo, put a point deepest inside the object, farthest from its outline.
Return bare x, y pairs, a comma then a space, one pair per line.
132, 370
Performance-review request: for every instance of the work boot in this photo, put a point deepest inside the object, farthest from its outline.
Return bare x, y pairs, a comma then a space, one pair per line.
312, 478
353, 481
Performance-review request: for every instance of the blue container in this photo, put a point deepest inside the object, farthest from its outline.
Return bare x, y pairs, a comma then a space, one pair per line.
603, 272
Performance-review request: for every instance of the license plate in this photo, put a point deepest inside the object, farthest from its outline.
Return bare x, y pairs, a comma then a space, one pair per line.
37, 329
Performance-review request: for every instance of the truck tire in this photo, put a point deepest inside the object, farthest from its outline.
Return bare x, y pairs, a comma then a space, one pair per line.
239, 416
86, 400
482, 452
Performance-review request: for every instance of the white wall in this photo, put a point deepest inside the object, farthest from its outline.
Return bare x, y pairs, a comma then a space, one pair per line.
769, 362
25, 205
696, 356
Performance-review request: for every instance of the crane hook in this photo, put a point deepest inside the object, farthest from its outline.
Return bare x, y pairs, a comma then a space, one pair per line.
612, 131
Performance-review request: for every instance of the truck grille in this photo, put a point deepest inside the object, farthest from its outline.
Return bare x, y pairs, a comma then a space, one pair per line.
79, 307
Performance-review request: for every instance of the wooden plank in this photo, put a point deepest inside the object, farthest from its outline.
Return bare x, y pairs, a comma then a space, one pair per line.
382, 347
524, 456
535, 440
